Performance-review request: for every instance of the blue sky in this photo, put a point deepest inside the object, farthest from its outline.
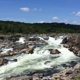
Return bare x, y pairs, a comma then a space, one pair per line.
31, 11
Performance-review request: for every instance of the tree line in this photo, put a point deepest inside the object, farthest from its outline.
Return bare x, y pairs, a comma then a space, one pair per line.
11, 27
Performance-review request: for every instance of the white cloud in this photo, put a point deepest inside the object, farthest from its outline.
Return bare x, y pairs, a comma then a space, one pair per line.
35, 9
78, 23
55, 18
41, 21
26, 9
40, 9
64, 21
78, 13
74, 22
72, 12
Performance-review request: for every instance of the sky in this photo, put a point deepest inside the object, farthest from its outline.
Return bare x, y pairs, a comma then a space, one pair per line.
39, 11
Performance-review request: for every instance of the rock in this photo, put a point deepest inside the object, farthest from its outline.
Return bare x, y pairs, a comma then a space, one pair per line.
69, 72
1, 37
64, 41
14, 38
78, 53
66, 45
28, 50
3, 61
31, 48
63, 75
33, 39
77, 66
8, 53
47, 62
24, 50
19, 78
38, 75
32, 72
15, 60
54, 51
19, 46
66, 65
53, 35
72, 42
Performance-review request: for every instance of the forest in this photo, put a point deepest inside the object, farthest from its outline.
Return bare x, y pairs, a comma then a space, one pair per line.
12, 27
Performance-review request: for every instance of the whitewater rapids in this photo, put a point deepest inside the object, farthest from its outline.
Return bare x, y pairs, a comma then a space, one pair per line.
32, 62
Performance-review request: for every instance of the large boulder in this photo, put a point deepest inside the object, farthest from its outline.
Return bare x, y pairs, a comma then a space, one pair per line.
19, 46
30, 49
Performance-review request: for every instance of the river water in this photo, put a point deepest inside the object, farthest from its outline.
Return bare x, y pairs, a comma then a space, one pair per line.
41, 59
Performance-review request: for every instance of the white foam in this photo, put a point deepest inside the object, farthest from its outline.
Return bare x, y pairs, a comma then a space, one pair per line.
4, 50
21, 40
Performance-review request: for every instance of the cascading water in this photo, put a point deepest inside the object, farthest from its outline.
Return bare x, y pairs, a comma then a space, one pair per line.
36, 61
21, 40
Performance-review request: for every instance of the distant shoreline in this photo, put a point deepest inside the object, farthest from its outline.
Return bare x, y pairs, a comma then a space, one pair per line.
11, 27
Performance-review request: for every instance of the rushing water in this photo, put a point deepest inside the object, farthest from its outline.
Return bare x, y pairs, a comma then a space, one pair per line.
21, 40
36, 61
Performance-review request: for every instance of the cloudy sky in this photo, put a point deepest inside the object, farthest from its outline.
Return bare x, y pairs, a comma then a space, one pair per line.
32, 11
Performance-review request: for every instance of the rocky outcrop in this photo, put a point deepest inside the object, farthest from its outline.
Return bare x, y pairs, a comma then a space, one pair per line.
19, 50
73, 43
67, 74
19, 78
14, 38
28, 50
65, 40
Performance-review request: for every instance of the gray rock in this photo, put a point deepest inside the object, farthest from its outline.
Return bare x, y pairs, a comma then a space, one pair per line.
3, 61
54, 51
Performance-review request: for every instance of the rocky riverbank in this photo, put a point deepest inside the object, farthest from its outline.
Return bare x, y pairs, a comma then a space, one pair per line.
10, 46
